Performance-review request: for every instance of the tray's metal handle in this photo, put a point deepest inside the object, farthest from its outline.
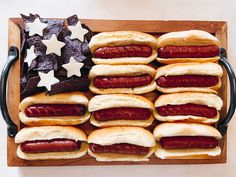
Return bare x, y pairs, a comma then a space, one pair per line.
13, 54
223, 125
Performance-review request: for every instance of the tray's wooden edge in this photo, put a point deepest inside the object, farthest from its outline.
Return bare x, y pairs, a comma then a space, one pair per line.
219, 28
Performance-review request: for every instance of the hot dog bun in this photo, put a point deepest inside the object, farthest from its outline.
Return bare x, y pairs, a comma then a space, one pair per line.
121, 70
113, 135
185, 129
187, 38
207, 99
120, 38
63, 98
48, 133
211, 69
100, 102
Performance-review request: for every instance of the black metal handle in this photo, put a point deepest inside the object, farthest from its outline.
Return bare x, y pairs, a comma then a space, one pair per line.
223, 125
13, 54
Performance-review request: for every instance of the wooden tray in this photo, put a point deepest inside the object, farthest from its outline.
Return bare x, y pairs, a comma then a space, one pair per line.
156, 28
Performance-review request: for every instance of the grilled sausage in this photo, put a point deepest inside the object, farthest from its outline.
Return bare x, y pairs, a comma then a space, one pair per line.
188, 142
187, 109
55, 145
122, 81
188, 51
122, 148
44, 110
123, 51
187, 81
122, 114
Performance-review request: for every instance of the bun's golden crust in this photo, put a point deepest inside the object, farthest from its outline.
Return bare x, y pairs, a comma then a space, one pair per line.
186, 153
49, 132
63, 98
122, 134
211, 69
185, 129
99, 102
122, 70
187, 38
119, 38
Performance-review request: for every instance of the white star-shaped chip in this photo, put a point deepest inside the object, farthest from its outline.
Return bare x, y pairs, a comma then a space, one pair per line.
47, 80
36, 27
30, 55
77, 31
73, 67
53, 45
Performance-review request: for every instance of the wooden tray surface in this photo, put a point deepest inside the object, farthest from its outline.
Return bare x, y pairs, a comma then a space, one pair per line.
156, 28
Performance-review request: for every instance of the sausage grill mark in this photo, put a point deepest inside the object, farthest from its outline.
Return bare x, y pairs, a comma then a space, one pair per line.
188, 51
44, 110
188, 142
122, 81
187, 81
123, 51
55, 145
187, 109
122, 148
122, 113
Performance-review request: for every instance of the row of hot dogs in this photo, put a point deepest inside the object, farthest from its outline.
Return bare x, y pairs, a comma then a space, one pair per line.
121, 71
121, 143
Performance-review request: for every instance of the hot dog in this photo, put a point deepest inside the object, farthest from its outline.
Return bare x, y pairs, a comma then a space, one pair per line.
187, 46
123, 47
54, 145
43, 110
135, 79
51, 142
182, 77
120, 109
60, 109
122, 81
188, 107
188, 51
123, 51
123, 148
121, 144
186, 140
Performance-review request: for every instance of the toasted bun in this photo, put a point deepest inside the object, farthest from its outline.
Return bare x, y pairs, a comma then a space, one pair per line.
115, 135
118, 100
185, 129
187, 38
122, 70
53, 155
211, 69
63, 98
186, 153
210, 100
50, 132
119, 38
100, 102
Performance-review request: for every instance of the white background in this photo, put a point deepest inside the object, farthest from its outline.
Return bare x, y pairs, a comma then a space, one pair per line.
123, 9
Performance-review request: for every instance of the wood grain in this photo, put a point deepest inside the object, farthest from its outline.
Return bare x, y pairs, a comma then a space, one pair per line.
156, 28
